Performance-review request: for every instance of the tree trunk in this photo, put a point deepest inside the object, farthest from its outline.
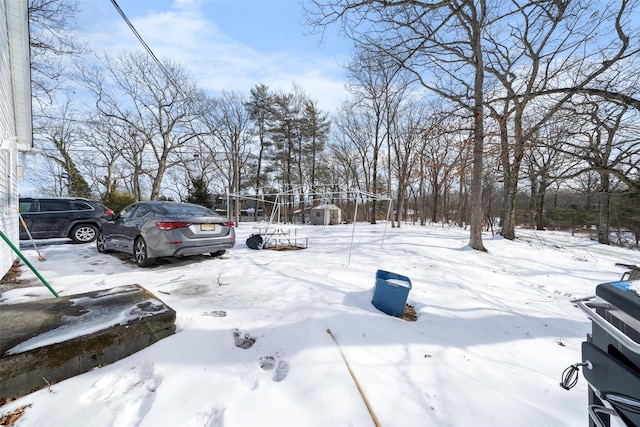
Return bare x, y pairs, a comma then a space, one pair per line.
509, 219
605, 198
542, 191
436, 197
157, 180
461, 199
511, 178
475, 239
533, 204
374, 183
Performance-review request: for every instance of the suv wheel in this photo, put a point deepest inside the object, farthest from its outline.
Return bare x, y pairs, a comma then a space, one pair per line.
140, 253
84, 233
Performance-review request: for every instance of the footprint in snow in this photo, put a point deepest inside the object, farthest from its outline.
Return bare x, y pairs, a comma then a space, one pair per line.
267, 363
280, 368
128, 393
243, 341
281, 371
212, 417
215, 313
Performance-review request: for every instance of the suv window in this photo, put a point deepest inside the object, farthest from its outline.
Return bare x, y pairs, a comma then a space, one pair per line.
25, 206
81, 206
55, 206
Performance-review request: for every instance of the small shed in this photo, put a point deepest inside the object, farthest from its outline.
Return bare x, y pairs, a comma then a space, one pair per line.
325, 215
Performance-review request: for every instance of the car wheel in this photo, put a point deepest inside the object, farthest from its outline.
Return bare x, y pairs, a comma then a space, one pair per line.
140, 253
217, 254
101, 243
84, 233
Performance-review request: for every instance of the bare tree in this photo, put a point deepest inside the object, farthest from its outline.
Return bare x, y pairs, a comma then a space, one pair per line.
374, 85
104, 164
442, 39
231, 126
158, 110
345, 170
52, 41
60, 142
547, 164
357, 126
607, 144
548, 43
444, 150
408, 130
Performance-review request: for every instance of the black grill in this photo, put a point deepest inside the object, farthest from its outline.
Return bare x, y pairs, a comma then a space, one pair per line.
611, 353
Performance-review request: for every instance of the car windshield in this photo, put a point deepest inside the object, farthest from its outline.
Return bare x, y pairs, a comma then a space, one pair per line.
187, 209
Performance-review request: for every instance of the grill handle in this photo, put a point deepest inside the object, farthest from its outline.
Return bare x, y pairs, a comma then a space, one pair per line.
585, 306
594, 410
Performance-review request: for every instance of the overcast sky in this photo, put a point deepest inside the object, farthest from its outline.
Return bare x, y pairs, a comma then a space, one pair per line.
227, 44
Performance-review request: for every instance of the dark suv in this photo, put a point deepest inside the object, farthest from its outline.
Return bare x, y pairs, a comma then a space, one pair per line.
75, 218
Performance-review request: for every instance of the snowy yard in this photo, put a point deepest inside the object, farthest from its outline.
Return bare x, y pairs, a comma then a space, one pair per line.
494, 332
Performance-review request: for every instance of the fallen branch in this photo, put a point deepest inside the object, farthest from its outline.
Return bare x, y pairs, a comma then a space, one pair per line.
364, 398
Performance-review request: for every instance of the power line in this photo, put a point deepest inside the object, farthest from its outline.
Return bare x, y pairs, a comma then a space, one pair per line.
145, 45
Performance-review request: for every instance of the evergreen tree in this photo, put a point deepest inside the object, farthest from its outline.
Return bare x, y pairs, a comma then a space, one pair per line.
626, 214
199, 194
258, 107
77, 186
316, 126
117, 200
284, 128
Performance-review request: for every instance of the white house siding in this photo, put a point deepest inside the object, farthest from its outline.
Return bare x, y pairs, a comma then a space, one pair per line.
14, 129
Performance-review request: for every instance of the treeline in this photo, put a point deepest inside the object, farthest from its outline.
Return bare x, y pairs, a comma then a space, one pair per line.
475, 113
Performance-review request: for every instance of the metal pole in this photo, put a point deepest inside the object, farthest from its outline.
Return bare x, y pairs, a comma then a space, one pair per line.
26, 261
236, 174
24, 224
353, 230
385, 224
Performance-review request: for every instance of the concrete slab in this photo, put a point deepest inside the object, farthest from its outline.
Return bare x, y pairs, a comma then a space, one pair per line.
46, 341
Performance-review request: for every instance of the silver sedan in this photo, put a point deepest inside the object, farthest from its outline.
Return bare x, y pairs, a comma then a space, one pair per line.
149, 230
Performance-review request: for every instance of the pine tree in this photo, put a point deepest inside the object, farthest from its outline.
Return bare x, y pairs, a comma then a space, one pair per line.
77, 186
199, 194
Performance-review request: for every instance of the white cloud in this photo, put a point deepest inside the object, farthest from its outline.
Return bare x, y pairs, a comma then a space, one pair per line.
219, 62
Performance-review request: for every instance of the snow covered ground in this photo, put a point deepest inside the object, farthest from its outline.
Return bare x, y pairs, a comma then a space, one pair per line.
494, 332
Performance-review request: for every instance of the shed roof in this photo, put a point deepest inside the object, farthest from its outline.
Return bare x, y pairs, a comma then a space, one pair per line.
325, 207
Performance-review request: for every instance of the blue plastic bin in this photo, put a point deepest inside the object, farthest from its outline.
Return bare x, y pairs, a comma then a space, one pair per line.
391, 292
